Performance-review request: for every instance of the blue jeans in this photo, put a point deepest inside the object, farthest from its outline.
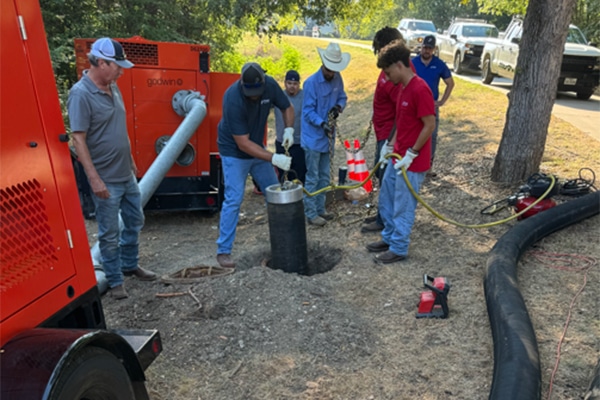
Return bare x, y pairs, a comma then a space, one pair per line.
119, 247
397, 207
235, 173
434, 135
317, 177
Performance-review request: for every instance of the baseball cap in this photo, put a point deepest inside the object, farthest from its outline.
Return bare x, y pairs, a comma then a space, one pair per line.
292, 76
429, 41
253, 79
110, 50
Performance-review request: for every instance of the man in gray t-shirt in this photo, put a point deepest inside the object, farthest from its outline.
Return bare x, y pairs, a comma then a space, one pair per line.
98, 122
296, 96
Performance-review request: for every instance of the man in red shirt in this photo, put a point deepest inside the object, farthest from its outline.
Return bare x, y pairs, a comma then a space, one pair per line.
415, 121
384, 111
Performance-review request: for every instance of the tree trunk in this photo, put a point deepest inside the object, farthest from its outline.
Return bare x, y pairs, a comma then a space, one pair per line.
532, 96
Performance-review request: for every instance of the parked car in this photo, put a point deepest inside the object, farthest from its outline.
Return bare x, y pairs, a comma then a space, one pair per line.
579, 71
463, 43
414, 30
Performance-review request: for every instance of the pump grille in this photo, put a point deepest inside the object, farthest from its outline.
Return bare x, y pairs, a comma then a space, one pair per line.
137, 53
26, 243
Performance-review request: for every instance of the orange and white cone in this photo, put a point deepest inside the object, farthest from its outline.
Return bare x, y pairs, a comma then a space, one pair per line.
360, 168
350, 161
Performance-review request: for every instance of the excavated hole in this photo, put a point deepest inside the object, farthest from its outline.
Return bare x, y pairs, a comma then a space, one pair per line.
320, 259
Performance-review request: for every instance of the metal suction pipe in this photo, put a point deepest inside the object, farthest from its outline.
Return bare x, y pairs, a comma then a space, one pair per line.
185, 103
287, 228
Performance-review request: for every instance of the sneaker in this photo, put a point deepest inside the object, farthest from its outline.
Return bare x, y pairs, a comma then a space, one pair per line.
377, 247
388, 257
368, 220
327, 216
317, 221
225, 261
372, 227
118, 292
141, 273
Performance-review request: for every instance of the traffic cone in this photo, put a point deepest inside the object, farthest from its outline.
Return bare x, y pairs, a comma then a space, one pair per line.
349, 161
360, 168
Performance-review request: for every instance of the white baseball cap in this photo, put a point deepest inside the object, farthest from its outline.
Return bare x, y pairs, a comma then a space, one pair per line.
110, 50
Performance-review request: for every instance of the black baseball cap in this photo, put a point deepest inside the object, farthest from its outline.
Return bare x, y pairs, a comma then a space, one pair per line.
253, 79
292, 76
429, 41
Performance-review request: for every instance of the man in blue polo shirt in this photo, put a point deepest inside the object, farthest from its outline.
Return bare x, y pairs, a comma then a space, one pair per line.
246, 107
431, 69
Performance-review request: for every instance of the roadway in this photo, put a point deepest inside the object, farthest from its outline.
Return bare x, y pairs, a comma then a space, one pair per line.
582, 114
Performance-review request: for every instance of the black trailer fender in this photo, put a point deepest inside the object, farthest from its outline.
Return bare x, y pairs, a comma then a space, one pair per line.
516, 360
33, 362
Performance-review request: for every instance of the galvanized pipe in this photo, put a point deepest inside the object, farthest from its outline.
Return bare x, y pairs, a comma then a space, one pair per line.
185, 103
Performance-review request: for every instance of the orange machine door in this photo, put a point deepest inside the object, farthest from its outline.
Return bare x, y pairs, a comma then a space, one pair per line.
34, 247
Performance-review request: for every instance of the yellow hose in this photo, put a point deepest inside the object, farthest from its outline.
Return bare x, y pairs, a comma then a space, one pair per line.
427, 206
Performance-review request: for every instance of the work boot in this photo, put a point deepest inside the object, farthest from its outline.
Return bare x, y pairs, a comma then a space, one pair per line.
327, 216
118, 292
368, 220
378, 246
372, 227
317, 221
225, 261
141, 273
388, 257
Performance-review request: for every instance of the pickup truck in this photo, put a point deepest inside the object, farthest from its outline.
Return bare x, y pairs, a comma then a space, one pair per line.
414, 31
463, 43
579, 71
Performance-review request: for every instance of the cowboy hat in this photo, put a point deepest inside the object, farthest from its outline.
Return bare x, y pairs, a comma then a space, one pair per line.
333, 59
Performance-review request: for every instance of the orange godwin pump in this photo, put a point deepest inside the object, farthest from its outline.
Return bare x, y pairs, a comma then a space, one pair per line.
161, 70
53, 336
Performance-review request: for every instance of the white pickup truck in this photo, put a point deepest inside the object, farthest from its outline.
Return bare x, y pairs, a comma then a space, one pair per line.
463, 43
579, 71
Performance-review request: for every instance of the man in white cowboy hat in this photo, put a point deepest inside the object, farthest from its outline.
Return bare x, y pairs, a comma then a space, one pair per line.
324, 95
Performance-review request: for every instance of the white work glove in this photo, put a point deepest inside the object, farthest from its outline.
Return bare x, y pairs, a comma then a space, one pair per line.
405, 161
282, 161
385, 150
288, 137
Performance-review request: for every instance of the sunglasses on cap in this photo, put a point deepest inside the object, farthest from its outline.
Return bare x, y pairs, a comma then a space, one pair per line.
116, 57
252, 85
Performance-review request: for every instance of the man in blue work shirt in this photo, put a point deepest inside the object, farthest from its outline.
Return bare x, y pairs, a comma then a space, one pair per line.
430, 68
324, 95
246, 107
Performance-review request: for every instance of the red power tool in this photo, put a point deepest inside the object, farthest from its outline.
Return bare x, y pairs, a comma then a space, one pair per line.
434, 302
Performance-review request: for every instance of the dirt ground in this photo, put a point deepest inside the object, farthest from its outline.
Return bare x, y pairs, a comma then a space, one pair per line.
351, 332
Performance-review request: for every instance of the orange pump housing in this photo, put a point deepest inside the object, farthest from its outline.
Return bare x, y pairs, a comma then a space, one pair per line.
45, 262
161, 70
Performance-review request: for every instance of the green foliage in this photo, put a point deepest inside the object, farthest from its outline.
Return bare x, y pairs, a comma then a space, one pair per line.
586, 15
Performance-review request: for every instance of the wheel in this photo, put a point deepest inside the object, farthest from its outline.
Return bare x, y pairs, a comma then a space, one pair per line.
486, 72
93, 374
457, 67
584, 95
